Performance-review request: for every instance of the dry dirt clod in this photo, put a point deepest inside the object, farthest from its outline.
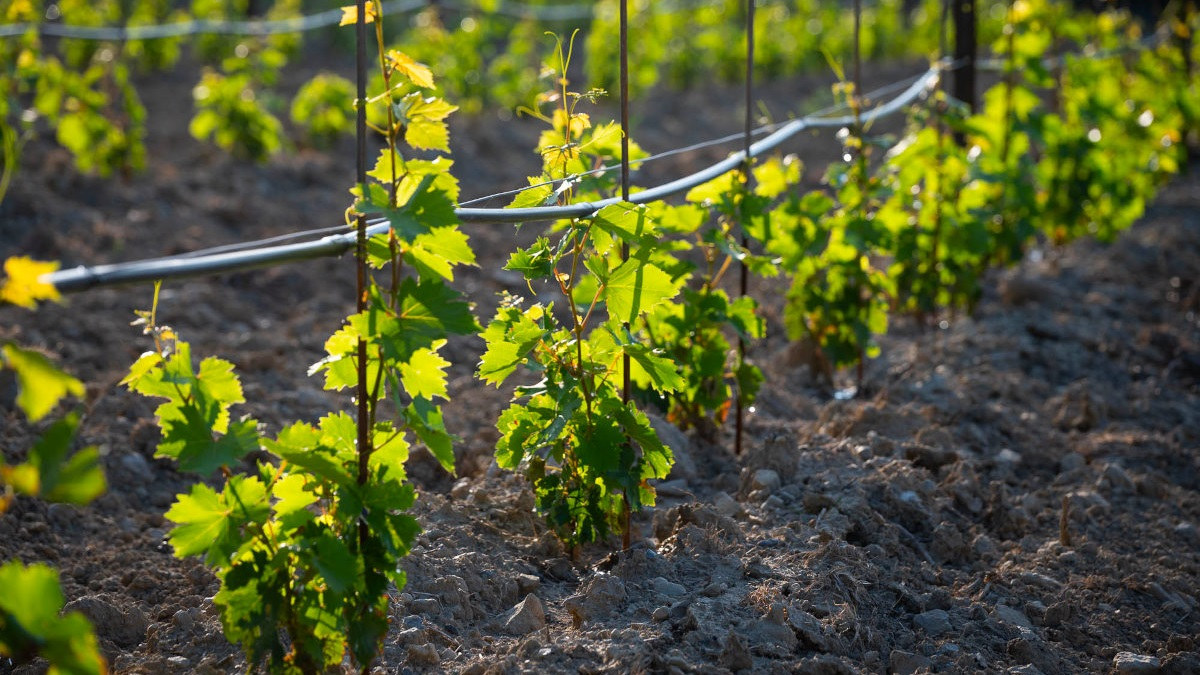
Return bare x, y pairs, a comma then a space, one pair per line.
525, 617
735, 656
1129, 663
935, 622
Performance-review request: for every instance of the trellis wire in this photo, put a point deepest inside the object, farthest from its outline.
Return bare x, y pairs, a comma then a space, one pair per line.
83, 278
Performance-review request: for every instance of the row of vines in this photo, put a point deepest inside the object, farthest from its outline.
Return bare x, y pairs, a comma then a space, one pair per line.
307, 542
82, 92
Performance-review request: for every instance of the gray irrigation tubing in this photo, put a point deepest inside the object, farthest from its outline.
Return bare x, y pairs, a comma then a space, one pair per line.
84, 278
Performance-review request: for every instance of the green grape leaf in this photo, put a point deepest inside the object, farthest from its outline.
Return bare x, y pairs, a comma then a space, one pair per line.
749, 380
336, 563
293, 494
424, 418
535, 262
636, 287
427, 134
424, 374
539, 195
40, 384
220, 383
435, 253
624, 221
662, 372
302, 444
30, 622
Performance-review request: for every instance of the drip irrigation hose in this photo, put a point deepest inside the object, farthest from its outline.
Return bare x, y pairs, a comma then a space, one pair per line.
87, 277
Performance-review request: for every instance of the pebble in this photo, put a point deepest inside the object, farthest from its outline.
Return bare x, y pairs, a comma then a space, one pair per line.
727, 506
905, 663
661, 614
808, 628
1013, 616
765, 479
423, 655
462, 488
1008, 457
1117, 478
526, 617
1128, 663
62, 516
735, 655
1071, 461
184, 619
600, 595
934, 622
664, 587
137, 465
528, 583
178, 662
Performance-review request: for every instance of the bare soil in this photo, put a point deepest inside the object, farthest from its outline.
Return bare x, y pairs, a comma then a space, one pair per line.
918, 525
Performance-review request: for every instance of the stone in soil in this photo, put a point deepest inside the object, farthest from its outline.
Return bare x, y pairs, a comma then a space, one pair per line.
1129, 663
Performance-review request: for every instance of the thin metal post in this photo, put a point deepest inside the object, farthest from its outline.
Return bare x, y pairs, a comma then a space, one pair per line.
744, 280
364, 438
965, 51
627, 536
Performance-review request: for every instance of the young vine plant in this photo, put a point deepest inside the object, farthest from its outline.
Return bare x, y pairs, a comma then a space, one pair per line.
32, 622
587, 451
307, 545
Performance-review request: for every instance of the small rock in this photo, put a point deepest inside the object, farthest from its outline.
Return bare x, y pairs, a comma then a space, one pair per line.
1027, 669
664, 587
808, 628
1056, 614
765, 479
1128, 663
1117, 478
1071, 461
62, 516
1013, 616
423, 655
929, 457
598, 597
428, 606
526, 617
934, 622
461, 489
727, 506
661, 614
180, 662
735, 656
905, 663
1008, 457
1187, 531
713, 590
184, 619
137, 466
948, 543
527, 583
777, 614
412, 636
